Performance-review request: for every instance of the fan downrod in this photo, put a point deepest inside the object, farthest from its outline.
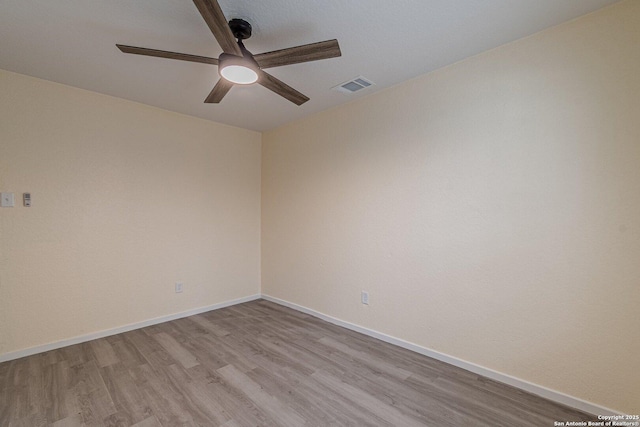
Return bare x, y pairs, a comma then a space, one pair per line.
240, 28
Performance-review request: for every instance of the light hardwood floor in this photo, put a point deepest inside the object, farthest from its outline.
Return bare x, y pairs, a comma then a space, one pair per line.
256, 364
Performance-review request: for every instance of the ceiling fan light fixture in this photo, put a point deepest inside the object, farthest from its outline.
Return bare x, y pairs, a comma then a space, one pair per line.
236, 65
239, 74
237, 69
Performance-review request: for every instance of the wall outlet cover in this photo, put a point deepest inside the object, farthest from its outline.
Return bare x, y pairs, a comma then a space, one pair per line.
365, 297
7, 200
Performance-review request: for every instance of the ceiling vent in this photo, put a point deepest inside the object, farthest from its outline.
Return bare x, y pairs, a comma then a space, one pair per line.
354, 85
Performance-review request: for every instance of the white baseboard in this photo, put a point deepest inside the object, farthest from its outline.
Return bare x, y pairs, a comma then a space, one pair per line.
126, 328
527, 386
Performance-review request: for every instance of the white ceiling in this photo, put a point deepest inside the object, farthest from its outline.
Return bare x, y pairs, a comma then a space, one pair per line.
73, 42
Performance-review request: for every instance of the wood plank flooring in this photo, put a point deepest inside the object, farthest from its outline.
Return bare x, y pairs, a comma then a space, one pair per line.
256, 364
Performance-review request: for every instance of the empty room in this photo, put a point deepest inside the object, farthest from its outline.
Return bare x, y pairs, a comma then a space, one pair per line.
320, 213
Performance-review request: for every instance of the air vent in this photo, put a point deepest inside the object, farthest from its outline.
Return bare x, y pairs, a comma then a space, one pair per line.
354, 85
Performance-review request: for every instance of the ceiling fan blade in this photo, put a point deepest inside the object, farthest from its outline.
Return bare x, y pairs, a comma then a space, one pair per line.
219, 91
214, 17
167, 54
298, 54
282, 89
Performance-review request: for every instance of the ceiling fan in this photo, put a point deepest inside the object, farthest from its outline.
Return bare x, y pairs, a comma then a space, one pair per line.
236, 65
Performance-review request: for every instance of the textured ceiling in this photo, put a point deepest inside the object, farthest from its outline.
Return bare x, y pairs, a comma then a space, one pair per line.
73, 42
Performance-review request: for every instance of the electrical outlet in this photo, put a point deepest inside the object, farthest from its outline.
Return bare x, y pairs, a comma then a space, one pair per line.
365, 297
178, 287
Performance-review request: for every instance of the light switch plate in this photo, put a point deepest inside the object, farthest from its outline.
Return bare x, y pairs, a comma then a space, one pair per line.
7, 200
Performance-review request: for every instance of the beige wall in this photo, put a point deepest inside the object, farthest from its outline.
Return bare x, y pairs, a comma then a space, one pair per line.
127, 200
491, 209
